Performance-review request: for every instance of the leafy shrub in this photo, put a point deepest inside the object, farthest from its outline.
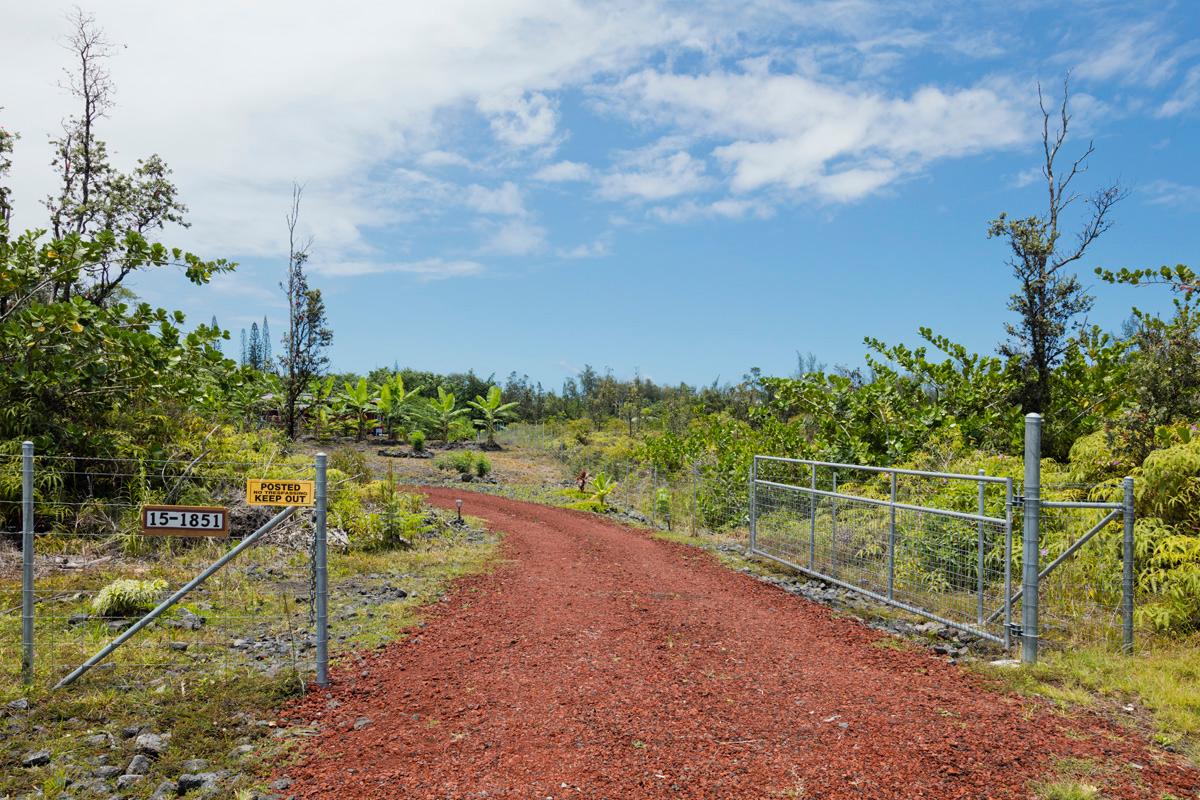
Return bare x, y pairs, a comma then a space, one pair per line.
482, 466
464, 462
662, 505
602, 487
127, 597
352, 462
417, 440
460, 461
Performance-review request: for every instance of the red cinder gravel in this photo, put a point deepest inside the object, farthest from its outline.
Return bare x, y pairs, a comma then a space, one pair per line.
597, 662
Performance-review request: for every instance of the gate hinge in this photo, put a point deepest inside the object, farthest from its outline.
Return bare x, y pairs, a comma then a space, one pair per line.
1018, 500
1015, 630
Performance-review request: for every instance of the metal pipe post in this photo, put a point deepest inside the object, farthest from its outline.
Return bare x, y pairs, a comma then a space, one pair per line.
892, 543
27, 596
979, 553
695, 499
321, 573
812, 521
1031, 538
1127, 572
833, 528
1008, 526
753, 503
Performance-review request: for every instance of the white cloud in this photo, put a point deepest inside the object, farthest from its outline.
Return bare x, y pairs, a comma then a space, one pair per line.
726, 208
1141, 53
515, 238
331, 97
430, 269
838, 141
655, 173
443, 158
1184, 98
596, 249
563, 171
1170, 193
521, 120
504, 200
1027, 177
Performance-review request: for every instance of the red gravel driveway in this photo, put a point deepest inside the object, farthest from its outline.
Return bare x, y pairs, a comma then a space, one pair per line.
596, 662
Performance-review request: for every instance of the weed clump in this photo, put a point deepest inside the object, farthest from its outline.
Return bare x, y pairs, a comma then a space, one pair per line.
127, 597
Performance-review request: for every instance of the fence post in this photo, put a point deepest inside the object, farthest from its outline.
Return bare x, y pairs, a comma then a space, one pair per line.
753, 503
812, 521
1127, 571
979, 554
833, 528
695, 499
892, 542
1030, 537
1008, 543
321, 573
27, 596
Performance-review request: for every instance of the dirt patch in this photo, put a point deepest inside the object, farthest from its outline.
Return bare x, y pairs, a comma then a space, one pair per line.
602, 663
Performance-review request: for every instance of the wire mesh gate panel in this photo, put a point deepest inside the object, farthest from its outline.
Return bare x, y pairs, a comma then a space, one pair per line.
255, 614
868, 529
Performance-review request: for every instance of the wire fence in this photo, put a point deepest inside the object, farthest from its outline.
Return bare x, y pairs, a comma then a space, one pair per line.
867, 530
95, 573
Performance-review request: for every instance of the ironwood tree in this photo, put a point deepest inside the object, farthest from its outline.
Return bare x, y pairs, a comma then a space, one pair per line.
1050, 299
308, 331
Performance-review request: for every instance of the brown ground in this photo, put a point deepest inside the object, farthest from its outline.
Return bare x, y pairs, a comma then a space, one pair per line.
599, 663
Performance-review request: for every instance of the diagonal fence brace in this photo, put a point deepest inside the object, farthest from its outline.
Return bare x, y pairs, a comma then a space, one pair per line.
132, 631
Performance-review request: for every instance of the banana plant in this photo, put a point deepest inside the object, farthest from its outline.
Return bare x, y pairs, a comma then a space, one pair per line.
442, 413
356, 399
492, 413
395, 404
602, 487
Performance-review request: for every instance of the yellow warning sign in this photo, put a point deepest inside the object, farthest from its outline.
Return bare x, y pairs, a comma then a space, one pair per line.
280, 492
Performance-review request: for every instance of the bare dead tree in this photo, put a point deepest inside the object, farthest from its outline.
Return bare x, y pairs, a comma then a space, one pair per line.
1050, 298
79, 157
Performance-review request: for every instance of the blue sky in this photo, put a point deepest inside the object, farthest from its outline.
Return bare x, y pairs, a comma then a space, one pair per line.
688, 190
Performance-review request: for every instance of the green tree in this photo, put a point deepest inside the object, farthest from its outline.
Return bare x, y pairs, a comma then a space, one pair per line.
492, 413
308, 332
356, 399
443, 413
395, 404
254, 352
1050, 298
7, 140
1163, 386
81, 376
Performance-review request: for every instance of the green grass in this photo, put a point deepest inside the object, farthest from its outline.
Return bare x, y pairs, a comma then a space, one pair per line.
1066, 790
209, 697
1162, 682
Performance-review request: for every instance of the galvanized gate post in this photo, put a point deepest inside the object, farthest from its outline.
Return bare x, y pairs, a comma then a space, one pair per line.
979, 553
27, 596
321, 574
753, 503
1127, 571
833, 528
812, 521
1030, 537
892, 542
1008, 554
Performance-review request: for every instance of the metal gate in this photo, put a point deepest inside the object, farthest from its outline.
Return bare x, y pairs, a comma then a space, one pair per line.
936, 544
948, 565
